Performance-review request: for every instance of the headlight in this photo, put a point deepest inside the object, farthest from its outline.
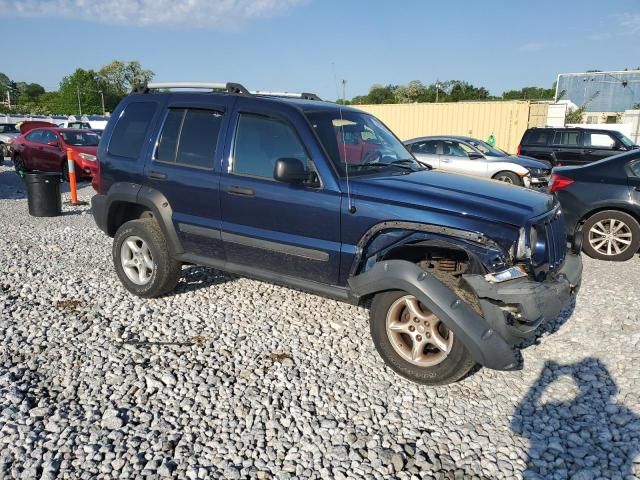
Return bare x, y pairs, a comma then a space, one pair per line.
522, 251
538, 172
87, 156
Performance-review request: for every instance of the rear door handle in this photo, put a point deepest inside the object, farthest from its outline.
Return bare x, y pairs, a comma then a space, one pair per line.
244, 191
157, 175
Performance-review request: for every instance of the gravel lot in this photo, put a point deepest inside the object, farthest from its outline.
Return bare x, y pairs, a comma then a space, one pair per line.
234, 378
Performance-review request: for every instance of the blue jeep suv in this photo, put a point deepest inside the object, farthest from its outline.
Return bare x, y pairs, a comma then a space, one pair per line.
297, 191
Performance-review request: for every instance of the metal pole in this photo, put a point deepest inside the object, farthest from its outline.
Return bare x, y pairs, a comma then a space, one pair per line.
79, 104
102, 98
344, 89
437, 90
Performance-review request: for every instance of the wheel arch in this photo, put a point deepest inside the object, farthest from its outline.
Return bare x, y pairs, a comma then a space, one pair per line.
603, 208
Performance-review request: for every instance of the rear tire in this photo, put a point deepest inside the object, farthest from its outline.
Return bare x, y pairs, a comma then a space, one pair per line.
611, 235
395, 329
18, 164
142, 260
508, 177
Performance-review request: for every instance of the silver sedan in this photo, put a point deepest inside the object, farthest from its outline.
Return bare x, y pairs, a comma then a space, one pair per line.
474, 157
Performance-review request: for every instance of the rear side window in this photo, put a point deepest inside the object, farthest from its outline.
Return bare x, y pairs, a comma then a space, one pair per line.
569, 139
429, 147
189, 137
129, 133
35, 136
260, 141
538, 137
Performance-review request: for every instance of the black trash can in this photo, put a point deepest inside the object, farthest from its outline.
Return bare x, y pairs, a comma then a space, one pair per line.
43, 193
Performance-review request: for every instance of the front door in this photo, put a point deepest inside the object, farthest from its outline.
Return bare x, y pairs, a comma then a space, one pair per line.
290, 230
598, 145
185, 168
426, 152
455, 158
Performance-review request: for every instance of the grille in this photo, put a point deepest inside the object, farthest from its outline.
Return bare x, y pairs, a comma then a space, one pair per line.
556, 239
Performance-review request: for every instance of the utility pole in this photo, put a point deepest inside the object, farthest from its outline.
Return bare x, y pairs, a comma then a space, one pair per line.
344, 89
102, 99
437, 90
79, 104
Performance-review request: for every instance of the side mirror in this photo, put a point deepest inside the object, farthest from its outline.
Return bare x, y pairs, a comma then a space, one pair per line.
620, 147
475, 155
53, 143
290, 170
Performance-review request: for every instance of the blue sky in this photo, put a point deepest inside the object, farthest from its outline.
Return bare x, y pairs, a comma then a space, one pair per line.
296, 44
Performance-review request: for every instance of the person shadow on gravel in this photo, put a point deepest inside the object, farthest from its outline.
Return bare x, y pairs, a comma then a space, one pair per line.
575, 428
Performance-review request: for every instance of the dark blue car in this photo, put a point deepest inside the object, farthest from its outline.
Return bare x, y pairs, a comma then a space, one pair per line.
325, 198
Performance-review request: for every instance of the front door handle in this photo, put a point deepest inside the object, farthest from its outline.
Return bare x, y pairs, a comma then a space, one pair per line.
588, 151
157, 175
446, 160
244, 191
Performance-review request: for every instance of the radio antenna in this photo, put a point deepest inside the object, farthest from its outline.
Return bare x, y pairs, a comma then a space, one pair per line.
351, 206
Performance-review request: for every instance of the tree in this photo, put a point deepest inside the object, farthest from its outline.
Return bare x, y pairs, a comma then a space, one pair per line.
530, 93
32, 91
122, 76
85, 84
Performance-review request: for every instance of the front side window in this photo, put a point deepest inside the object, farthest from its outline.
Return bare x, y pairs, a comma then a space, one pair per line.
598, 140
567, 138
48, 136
129, 133
260, 142
359, 141
189, 137
455, 149
487, 149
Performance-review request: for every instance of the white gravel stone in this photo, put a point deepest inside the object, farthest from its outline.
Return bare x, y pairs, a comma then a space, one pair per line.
234, 378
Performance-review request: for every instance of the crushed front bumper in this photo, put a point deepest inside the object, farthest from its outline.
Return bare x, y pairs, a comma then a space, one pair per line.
517, 308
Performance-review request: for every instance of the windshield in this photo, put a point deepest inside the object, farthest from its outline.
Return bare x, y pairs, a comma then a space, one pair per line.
81, 139
626, 141
487, 149
11, 128
360, 142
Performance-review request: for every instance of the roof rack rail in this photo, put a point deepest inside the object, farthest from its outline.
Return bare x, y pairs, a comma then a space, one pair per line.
230, 87
302, 95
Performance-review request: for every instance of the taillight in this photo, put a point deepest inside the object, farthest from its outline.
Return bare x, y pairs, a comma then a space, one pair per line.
95, 180
558, 182
519, 149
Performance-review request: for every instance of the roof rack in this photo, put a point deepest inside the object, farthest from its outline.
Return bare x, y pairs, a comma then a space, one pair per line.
302, 95
230, 87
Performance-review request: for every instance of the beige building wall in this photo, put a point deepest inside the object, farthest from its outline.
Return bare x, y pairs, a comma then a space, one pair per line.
506, 120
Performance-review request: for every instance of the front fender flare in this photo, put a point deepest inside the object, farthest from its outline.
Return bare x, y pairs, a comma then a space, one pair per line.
486, 346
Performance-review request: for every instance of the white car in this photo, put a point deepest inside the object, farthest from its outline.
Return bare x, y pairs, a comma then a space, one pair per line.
8, 132
474, 157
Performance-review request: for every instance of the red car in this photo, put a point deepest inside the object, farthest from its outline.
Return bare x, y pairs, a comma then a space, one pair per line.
44, 148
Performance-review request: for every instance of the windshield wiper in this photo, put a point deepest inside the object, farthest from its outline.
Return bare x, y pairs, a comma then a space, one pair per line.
383, 165
415, 163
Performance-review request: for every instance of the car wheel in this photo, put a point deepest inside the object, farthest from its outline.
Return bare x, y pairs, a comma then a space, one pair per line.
18, 164
65, 171
508, 177
414, 342
611, 235
142, 260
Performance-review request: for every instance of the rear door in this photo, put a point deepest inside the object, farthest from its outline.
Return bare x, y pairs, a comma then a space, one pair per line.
185, 168
291, 230
32, 150
598, 145
455, 158
567, 147
634, 184
427, 152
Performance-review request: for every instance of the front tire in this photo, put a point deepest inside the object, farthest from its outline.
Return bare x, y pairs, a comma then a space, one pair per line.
142, 259
414, 342
508, 177
611, 235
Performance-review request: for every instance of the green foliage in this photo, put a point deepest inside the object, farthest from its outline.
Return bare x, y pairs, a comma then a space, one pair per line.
111, 82
530, 93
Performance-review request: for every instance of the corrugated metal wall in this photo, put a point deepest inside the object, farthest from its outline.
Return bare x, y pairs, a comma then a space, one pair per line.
538, 113
507, 121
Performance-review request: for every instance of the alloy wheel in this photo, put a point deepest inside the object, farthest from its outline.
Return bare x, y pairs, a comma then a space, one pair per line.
416, 334
136, 260
610, 236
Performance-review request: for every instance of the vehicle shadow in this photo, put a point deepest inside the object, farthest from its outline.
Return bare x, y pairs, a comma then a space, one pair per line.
575, 427
195, 277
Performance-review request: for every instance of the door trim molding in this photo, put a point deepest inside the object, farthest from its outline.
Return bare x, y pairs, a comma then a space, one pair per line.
309, 253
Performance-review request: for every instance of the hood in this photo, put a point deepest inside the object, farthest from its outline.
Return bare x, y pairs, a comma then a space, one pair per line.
489, 200
527, 162
90, 150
